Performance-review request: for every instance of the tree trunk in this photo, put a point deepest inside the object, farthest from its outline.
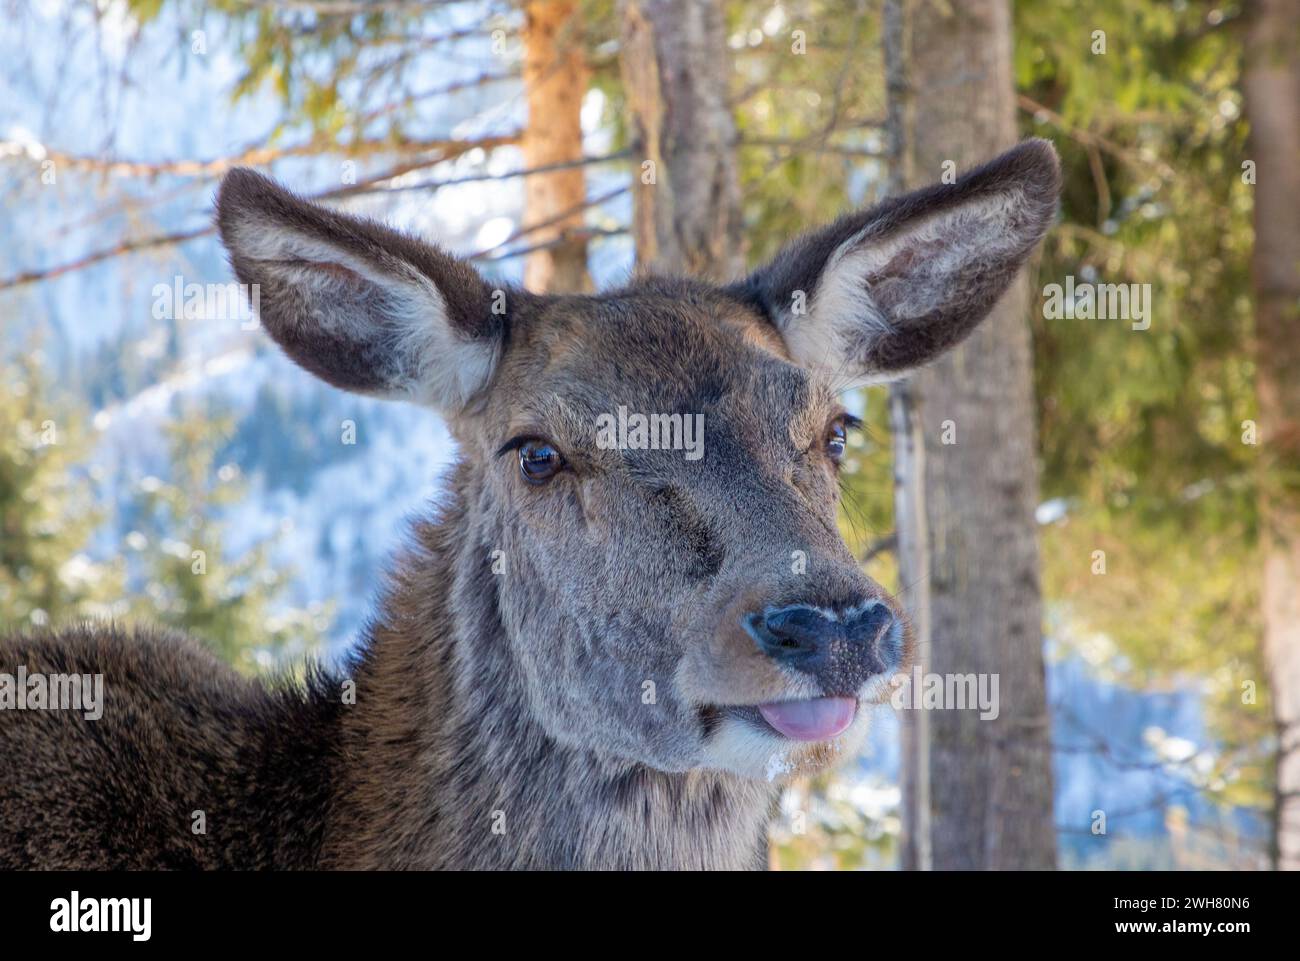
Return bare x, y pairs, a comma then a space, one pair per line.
909, 469
978, 792
555, 78
1272, 89
676, 68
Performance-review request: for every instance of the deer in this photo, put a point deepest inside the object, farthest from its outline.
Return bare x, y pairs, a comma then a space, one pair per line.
587, 655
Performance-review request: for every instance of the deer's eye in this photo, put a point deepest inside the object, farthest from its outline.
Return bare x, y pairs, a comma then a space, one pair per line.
836, 441
837, 436
539, 461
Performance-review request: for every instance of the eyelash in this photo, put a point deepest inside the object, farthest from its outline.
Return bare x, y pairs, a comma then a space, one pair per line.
514, 443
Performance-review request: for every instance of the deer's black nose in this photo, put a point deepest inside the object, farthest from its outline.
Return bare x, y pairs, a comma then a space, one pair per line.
841, 648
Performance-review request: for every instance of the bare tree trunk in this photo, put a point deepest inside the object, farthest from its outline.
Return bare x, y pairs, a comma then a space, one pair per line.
913, 560
555, 78
978, 792
909, 471
676, 68
1272, 89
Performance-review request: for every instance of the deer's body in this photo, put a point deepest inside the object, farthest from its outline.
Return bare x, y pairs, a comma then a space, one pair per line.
602, 653
403, 775
182, 733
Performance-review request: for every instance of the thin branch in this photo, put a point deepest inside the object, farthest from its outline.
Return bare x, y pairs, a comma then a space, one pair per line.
551, 221
886, 545
837, 94
183, 236
1087, 138
261, 155
1099, 181
1098, 745
125, 247
584, 233
477, 30
481, 80
1157, 802
809, 145
508, 175
348, 8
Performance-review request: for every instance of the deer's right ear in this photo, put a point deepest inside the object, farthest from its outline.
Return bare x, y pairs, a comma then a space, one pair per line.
360, 305
884, 291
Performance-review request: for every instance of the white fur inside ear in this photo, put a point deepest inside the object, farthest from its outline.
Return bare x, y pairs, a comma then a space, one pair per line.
393, 305
844, 308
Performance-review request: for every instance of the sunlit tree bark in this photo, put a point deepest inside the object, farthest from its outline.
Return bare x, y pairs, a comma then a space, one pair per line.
1271, 83
555, 77
978, 792
676, 67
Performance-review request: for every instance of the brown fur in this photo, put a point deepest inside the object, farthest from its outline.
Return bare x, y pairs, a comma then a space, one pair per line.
560, 675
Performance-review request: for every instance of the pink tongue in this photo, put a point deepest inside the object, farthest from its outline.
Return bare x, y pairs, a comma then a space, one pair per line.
814, 720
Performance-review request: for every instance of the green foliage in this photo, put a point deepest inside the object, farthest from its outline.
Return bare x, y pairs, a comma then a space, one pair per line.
325, 67
191, 580
833, 824
809, 96
47, 509
50, 571
1141, 431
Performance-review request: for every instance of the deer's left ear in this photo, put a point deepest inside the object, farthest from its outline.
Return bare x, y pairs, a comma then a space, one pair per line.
883, 291
361, 306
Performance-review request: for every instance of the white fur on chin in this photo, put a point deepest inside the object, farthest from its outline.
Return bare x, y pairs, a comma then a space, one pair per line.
741, 748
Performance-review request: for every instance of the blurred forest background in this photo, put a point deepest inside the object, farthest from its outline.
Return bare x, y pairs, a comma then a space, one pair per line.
160, 461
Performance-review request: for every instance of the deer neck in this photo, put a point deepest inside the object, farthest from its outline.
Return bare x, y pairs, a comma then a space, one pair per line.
444, 767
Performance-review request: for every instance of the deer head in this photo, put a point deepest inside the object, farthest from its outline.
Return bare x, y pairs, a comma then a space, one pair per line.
658, 465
